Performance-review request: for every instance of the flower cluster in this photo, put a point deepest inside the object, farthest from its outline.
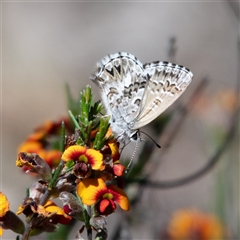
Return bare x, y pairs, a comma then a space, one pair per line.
96, 170
84, 172
193, 224
44, 141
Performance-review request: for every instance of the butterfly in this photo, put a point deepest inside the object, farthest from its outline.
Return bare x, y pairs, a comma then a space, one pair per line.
135, 94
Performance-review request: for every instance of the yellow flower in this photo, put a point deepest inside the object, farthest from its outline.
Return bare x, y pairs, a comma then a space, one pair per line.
35, 164
95, 190
50, 210
60, 217
192, 224
82, 154
4, 207
4, 204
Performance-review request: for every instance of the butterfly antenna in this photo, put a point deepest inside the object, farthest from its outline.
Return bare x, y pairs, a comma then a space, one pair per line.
157, 145
131, 160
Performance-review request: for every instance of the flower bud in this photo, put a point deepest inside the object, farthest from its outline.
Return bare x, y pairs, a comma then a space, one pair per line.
82, 170
98, 222
36, 165
28, 207
37, 191
65, 183
71, 205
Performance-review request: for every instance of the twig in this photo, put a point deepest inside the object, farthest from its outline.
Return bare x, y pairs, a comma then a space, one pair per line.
27, 232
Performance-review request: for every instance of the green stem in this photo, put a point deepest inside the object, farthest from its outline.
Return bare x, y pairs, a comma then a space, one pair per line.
74, 120
55, 176
86, 215
63, 137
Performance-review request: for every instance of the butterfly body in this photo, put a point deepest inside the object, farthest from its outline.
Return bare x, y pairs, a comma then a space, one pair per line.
135, 94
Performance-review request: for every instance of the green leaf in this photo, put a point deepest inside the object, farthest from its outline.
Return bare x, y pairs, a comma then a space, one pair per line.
85, 105
56, 174
100, 138
73, 119
63, 137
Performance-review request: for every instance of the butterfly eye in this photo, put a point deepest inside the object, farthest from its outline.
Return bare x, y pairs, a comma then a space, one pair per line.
135, 136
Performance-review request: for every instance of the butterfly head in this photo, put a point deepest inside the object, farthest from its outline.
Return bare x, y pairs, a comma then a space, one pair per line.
129, 136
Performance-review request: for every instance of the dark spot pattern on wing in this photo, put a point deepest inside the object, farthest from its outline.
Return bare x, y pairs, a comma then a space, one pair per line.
118, 68
137, 102
119, 101
132, 88
143, 84
166, 77
113, 91
170, 87
111, 72
127, 92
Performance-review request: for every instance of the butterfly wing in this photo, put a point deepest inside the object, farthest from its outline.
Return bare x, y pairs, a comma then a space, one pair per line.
166, 83
122, 80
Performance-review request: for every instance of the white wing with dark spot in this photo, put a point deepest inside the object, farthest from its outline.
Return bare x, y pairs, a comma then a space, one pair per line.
135, 94
166, 83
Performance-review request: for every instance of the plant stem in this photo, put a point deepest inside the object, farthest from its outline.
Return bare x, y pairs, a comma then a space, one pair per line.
63, 137
27, 232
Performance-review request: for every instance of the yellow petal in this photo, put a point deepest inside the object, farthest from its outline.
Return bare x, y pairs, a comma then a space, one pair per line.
73, 153
4, 204
120, 197
89, 190
95, 159
115, 150
53, 208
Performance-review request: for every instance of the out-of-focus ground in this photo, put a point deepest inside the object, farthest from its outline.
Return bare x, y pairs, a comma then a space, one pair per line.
48, 44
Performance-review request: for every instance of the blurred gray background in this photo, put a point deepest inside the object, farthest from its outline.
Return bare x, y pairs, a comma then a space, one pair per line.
48, 44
